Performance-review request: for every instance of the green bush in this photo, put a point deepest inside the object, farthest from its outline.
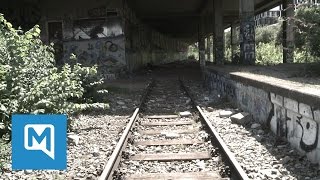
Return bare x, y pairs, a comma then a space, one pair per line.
308, 29
267, 34
193, 51
228, 55
29, 80
268, 54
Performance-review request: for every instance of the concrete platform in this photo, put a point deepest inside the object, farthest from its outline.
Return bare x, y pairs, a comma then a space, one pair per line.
286, 79
280, 97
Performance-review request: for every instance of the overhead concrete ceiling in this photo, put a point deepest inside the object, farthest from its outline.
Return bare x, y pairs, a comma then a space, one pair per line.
180, 18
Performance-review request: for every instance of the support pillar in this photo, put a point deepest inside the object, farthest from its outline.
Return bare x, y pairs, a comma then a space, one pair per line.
288, 31
218, 32
234, 44
202, 45
208, 48
247, 32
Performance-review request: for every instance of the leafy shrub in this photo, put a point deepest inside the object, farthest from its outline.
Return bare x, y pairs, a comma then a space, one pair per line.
193, 51
228, 55
308, 28
29, 80
267, 34
268, 54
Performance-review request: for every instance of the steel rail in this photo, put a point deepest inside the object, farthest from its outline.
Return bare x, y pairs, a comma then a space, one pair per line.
116, 154
237, 169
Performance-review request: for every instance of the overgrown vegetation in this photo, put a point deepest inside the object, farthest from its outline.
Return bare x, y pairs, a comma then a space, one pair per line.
31, 83
269, 39
193, 51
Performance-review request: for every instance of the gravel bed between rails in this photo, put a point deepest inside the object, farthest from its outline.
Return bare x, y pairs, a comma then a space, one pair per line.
142, 167
173, 101
255, 148
197, 135
205, 147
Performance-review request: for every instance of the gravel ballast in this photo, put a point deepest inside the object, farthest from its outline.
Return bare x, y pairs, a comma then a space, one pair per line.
90, 142
256, 148
167, 98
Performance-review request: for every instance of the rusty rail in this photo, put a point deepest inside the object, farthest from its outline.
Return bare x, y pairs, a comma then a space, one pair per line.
115, 157
236, 170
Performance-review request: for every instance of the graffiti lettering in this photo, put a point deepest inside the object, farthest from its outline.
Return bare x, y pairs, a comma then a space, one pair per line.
301, 131
309, 137
247, 38
111, 46
90, 46
102, 52
226, 88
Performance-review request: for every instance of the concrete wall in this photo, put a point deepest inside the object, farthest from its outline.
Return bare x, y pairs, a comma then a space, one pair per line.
288, 117
107, 53
79, 19
121, 42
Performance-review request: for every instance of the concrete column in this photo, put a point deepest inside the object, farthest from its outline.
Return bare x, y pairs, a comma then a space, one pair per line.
234, 43
202, 54
247, 32
202, 44
218, 32
288, 31
208, 48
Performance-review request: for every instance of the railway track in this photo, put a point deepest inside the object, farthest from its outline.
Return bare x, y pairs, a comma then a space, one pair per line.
169, 137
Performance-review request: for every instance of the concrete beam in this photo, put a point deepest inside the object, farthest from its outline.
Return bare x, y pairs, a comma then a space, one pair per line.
288, 31
218, 32
247, 32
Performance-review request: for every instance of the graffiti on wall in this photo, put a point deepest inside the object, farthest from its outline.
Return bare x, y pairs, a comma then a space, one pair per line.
221, 85
107, 53
302, 132
290, 120
97, 28
248, 98
247, 38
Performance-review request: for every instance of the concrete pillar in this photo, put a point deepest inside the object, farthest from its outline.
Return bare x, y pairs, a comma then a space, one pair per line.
234, 43
202, 45
218, 32
247, 32
288, 31
208, 48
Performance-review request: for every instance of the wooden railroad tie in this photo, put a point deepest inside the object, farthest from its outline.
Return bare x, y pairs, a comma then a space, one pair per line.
176, 176
179, 131
169, 142
168, 123
171, 156
163, 117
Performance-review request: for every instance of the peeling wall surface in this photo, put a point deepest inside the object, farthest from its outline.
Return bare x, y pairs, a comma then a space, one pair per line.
293, 121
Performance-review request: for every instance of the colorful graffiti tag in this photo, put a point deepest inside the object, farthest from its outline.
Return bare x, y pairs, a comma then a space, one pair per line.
107, 53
